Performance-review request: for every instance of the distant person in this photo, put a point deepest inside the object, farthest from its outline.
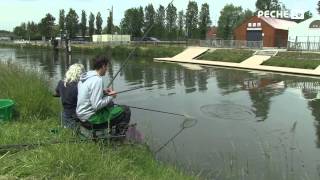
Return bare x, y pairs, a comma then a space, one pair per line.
67, 90
95, 107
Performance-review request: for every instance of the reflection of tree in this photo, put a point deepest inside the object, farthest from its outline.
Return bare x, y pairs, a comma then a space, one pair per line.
189, 81
148, 75
230, 81
314, 106
169, 78
261, 89
202, 81
261, 96
133, 72
159, 76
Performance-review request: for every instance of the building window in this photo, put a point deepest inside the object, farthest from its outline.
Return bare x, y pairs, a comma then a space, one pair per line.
254, 25
259, 24
249, 24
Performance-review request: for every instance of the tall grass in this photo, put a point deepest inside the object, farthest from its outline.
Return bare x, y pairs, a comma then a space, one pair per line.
29, 90
39, 122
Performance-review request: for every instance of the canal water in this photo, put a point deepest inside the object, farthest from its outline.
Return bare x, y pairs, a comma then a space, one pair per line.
238, 124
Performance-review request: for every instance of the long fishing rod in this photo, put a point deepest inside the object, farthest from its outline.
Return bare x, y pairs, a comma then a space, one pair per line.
142, 86
153, 110
134, 49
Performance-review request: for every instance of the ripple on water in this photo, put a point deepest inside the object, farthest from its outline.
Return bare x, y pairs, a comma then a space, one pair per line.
228, 111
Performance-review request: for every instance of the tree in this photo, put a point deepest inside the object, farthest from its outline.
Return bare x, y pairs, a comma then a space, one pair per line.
110, 23
99, 22
91, 24
149, 19
230, 17
244, 16
62, 20
72, 23
171, 21
160, 22
83, 24
21, 30
307, 15
46, 26
318, 7
33, 31
204, 21
192, 20
133, 22
181, 24
268, 5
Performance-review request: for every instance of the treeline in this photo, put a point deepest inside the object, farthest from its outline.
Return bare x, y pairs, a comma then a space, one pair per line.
167, 22
68, 24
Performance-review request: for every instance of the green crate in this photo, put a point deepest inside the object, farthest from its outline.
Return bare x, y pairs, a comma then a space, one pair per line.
6, 109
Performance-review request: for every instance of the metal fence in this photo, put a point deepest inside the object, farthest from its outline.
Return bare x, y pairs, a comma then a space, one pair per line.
232, 44
304, 46
140, 43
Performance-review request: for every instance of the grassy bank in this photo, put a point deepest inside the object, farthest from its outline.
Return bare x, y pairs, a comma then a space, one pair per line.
39, 122
227, 55
27, 46
124, 51
118, 51
295, 60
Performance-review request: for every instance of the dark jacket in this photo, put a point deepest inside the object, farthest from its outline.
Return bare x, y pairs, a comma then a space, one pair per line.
69, 97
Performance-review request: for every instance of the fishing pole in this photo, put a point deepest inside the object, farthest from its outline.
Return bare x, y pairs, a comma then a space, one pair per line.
153, 110
133, 50
142, 86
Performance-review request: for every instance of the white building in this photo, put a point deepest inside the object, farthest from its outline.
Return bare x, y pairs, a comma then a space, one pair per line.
111, 38
305, 35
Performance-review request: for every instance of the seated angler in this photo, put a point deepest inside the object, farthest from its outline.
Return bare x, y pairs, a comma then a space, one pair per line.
95, 107
67, 90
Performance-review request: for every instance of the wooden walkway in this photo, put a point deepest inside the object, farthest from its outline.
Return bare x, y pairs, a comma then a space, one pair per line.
253, 63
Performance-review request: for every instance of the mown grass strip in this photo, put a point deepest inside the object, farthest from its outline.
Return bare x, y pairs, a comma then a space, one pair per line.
294, 60
227, 55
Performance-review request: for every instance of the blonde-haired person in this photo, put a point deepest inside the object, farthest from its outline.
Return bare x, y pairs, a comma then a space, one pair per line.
67, 90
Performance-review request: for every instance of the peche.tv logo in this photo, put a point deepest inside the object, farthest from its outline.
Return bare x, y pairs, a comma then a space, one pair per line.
282, 14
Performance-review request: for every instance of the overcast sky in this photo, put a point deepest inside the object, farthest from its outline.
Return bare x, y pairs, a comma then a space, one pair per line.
14, 12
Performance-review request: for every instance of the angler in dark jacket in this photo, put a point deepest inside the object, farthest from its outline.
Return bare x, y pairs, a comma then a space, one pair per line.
67, 90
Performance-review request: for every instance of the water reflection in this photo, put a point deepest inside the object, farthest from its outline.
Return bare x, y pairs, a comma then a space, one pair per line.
277, 101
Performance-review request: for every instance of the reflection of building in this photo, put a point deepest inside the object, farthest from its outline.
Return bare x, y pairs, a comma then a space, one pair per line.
261, 83
305, 35
273, 32
309, 89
